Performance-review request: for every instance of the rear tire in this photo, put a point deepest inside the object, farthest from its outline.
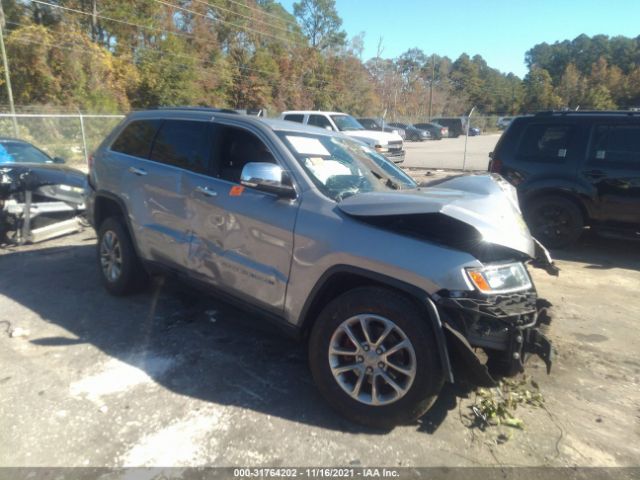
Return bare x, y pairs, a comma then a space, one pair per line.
352, 393
121, 271
555, 221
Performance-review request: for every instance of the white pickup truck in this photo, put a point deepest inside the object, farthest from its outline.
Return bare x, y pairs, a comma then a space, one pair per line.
386, 143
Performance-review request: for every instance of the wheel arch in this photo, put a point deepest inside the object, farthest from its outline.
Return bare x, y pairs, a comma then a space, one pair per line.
342, 278
581, 201
107, 205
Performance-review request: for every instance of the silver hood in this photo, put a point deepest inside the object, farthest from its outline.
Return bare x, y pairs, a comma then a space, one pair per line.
486, 202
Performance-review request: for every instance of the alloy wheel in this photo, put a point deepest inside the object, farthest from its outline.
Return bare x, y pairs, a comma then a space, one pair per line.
372, 359
111, 256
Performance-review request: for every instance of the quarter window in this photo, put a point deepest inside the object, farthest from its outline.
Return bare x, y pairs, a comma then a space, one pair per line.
183, 144
545, 143
616, 143
136, 138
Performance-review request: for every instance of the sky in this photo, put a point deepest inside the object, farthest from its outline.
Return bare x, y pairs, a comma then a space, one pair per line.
499, 30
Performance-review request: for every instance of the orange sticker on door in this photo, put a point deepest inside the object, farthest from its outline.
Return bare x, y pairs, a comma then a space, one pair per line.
236, 191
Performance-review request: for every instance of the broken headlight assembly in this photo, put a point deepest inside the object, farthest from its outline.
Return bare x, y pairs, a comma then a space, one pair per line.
504, 278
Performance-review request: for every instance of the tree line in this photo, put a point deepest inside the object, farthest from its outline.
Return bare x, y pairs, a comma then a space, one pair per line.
116, 55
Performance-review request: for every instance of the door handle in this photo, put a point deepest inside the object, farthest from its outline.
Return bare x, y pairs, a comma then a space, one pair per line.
594, 173
137, 171
206, 192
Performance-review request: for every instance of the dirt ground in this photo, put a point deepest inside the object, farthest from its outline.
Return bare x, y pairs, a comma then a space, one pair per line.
166, 378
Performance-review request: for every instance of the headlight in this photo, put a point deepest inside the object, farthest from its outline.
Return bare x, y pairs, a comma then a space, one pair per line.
382, 148
510, 277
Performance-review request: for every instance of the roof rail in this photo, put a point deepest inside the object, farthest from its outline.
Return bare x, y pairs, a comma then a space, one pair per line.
587, 112
201, 109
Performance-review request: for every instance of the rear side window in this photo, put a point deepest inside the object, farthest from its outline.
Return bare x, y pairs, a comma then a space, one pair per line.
183, 144
616, 143
545, 143
294, 118
136, 138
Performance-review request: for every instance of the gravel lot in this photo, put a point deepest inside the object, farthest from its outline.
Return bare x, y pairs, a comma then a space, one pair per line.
448, 153
169, 378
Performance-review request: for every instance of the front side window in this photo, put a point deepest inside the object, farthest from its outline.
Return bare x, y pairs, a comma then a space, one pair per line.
341, 167
616, 143
370, 124
233, 148
136, 138
14, 152
346, 123
183, 144
319, 121
545, 142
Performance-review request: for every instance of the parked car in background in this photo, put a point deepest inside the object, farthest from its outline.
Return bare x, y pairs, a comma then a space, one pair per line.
413, 133
388, 282
474, 131
437, 131
390, 145
456, 125
19, 151
573, 169
40, 197
377, 124
503, 122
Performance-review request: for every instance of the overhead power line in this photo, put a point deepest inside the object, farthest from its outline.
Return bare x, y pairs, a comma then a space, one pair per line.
195, 66
253, 19
236, 25
257, 9
175, 55
124, 22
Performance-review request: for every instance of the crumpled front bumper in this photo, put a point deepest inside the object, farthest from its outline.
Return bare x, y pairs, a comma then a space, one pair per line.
508, 327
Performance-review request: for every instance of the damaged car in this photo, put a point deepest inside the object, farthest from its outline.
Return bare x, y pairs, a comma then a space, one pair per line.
394, 286
40, 198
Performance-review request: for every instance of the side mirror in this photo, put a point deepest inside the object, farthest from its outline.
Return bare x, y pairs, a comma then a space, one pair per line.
328, 127
58, 160
267, 177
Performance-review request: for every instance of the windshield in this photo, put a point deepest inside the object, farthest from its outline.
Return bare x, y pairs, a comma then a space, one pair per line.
346, 122
22, 153
341, 167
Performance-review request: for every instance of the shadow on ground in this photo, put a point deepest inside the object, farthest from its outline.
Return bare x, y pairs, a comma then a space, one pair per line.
600, 253
222, 355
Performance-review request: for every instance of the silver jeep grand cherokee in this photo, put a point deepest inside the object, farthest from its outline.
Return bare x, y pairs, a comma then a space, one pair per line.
391, 283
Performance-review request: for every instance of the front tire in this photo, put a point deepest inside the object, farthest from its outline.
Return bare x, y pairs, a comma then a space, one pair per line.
555, 221
120, 269
374, 357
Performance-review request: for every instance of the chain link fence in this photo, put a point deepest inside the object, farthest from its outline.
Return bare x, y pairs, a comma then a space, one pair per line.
69, 136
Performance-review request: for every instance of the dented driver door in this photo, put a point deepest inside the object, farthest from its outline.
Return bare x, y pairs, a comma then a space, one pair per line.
241, 238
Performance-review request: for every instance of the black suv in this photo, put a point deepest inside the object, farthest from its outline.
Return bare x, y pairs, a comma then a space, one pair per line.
573, 169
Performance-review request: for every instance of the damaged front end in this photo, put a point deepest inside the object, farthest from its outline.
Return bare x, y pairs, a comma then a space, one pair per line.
39, 202
499, 313
507, 327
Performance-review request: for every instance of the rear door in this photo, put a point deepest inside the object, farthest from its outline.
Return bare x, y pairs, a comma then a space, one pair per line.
612, 167
242, 238
180, 146
547, 152
129, 174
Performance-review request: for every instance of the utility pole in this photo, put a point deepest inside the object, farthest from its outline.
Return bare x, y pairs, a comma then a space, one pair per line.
433, 76
464, 159
7, 76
